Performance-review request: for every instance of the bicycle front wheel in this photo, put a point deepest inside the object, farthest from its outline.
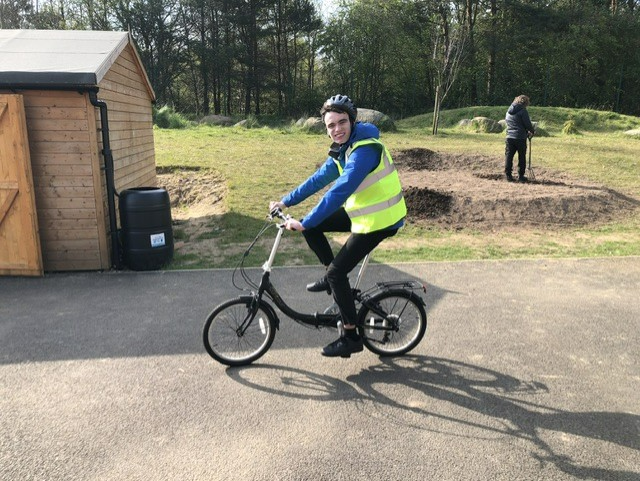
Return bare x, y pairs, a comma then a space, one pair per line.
234, 340
393, 322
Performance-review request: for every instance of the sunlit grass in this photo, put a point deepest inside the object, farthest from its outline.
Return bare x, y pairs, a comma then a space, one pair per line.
263, 164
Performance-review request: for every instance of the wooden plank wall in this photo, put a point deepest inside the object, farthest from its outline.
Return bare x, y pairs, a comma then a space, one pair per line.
65, 162
130, 123
66, 144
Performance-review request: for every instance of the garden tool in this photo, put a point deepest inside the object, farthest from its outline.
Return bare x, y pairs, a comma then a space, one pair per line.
530, 169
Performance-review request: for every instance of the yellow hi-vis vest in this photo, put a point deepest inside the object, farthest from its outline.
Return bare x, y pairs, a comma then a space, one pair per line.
378, 202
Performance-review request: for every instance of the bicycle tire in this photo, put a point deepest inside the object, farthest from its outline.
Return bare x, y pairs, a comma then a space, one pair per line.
221, 338
400, 330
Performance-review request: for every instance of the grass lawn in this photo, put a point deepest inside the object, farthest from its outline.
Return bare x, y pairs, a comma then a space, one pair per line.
262, 164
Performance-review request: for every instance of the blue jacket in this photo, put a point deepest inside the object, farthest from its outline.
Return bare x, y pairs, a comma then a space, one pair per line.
518, 122
361, 162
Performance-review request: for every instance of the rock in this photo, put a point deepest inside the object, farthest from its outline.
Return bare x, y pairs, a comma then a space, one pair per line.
216, 120
314, 125
485, 125
380, 120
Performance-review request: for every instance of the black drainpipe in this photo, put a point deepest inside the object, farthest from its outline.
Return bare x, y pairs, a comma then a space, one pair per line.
116, 260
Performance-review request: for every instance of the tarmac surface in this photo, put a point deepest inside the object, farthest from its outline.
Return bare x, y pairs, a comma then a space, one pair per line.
530, 370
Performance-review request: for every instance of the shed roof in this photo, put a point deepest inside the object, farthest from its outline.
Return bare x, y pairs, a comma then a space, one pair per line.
54, 59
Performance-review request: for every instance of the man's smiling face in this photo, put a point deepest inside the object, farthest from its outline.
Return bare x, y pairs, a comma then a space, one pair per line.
338, 126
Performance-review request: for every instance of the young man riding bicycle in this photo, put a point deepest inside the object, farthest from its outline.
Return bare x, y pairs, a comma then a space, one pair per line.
365, 199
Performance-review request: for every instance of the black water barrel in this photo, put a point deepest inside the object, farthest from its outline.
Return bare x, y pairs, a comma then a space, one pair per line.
146, 233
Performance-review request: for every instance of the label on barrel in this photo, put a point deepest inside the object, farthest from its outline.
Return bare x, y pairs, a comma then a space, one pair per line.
157, 240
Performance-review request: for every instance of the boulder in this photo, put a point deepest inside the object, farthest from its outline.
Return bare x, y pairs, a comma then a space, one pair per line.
633, 133
485, 125
380, 120
314, 125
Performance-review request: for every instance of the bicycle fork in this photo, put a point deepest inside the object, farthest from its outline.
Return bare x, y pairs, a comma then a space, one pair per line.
255, 303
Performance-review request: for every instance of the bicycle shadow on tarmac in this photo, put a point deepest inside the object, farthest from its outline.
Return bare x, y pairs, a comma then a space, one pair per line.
294, 335
458, 399
136, 315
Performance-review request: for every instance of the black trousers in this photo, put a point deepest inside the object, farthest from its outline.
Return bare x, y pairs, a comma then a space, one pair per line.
351, 253
513, 146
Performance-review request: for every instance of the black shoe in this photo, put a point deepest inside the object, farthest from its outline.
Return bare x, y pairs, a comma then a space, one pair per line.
509, 177
343, 347
523, 179
319, 286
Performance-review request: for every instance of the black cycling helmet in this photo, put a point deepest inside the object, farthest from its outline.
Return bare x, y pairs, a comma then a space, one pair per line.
340, 103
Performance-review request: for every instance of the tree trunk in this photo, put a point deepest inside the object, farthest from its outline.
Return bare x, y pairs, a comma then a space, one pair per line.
436, 111
204, 63
493, 48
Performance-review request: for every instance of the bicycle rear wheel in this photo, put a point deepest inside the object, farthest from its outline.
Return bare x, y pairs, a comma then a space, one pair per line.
393, 322
229, 342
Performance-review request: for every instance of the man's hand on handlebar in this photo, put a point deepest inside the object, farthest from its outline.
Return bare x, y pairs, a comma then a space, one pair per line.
292, 224
275, 210
276, 204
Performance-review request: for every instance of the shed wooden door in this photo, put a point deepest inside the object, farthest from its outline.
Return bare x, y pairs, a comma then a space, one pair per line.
20, 252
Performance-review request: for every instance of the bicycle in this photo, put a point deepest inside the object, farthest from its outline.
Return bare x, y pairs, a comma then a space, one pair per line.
391, 315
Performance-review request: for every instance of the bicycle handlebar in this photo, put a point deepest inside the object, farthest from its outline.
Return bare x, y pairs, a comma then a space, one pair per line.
277, 212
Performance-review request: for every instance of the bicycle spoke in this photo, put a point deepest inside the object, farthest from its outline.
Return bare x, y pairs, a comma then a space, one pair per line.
233, 338
405, 317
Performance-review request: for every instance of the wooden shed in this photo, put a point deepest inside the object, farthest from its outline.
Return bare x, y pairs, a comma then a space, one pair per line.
75, 125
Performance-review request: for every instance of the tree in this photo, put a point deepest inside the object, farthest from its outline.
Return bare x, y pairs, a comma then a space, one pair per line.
293, 21
155, 26
397, 56
373, 51
448, 48
15, 14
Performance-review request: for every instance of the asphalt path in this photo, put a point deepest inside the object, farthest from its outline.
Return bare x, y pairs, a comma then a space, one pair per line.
529, 371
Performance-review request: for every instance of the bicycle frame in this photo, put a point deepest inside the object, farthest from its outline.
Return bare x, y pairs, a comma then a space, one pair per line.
391, 318
317, 319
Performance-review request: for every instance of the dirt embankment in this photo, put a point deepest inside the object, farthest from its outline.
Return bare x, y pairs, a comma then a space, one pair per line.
447, 190
460, 190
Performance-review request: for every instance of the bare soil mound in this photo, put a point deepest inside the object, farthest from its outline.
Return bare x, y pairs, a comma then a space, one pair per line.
197, 199
461, 190
448, 190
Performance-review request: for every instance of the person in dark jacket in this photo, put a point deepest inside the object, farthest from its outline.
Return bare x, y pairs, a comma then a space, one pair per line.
519, 129
365, 199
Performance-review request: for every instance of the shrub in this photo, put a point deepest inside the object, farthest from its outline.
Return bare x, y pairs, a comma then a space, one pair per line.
569, 128
167, 118
251, 122
542, 132
541, 129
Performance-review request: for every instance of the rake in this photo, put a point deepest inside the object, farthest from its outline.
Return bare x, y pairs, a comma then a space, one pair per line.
530, 169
